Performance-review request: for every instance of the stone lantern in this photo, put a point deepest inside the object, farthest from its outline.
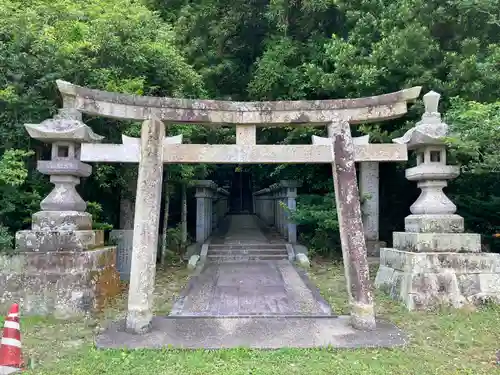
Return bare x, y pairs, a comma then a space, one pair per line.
63, 208
433, 211
433, 261
62, 267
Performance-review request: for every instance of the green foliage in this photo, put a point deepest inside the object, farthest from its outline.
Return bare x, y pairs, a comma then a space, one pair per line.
475, 139
173, 245
318, 225
251, 50
16, 204
95, 209
6, 240
116, 45
13, 170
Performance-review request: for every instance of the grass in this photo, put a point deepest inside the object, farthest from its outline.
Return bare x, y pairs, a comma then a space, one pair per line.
442, 342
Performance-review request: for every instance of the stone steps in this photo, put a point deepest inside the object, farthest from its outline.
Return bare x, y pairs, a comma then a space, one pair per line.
247, 251
245, 258
264, 246
251, 252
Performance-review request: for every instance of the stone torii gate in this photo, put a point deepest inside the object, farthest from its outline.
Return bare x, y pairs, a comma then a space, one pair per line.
153, 150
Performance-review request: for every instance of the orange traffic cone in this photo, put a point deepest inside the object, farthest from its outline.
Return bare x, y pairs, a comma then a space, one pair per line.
10, 346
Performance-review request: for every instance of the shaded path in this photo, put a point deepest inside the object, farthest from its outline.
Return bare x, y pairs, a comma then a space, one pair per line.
263, 288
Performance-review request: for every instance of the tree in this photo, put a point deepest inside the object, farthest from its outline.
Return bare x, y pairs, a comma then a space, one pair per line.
115, 45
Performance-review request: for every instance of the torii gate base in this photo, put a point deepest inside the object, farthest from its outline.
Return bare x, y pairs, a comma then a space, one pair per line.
152, 151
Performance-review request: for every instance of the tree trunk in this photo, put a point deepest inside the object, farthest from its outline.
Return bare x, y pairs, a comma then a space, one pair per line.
164, 245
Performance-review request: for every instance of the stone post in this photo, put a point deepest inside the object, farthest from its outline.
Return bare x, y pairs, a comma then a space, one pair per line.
277, 209
369, 190
284, 216
351, 226
271, 207
123, 237
200, 214
281, 202
205, 194
264, 205
65, 262
274, 196
433, 262
290, 192
146, 228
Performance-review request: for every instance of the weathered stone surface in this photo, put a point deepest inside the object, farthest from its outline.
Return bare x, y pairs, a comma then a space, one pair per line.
351, 227
268, 205
302, 260
373, 247
242, 154
445, 242
63, 284
58, 240
64, 167
434, 223
61, 220
64, 196
430, 129
246, 134
427, 280
65, 126
193, 261
146, 225
123, 238
206, 197
271, 288
369, 191
227, 112
433, 262
136, 142
252, 332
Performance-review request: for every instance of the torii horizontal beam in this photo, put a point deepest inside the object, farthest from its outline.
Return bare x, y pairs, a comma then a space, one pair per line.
241, 154
278, 113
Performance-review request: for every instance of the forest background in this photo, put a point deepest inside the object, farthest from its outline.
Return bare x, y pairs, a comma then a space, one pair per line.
253, 50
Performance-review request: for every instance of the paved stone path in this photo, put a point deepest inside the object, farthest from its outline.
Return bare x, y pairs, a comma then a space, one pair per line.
263, 288
257, 304
252, 288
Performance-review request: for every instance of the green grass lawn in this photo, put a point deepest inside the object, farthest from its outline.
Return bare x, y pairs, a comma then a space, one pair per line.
442, 342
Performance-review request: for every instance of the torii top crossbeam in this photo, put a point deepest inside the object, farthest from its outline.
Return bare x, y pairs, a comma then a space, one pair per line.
266, 113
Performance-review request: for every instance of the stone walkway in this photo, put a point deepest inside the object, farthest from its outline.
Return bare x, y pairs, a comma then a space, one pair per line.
263, 288
251, 288
256, 304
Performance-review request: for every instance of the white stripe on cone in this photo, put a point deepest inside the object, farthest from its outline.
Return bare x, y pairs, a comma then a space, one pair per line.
10, 342
14, 325
13, 315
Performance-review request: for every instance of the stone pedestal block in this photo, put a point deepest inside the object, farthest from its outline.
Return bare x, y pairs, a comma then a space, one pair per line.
54, 240
61, 220
427, 280
437, 242
434, 223
63, 284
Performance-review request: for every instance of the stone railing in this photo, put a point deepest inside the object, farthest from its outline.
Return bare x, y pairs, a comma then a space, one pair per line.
273, 204
211, 207
269, 202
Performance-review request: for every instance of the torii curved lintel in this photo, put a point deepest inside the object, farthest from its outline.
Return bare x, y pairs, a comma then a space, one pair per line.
277, 113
